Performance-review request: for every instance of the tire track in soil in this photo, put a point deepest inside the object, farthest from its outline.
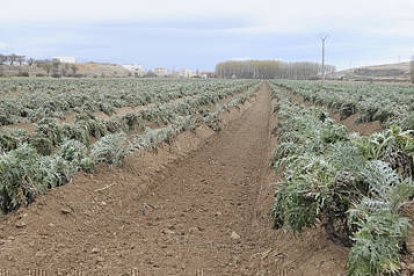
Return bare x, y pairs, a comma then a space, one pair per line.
181, 226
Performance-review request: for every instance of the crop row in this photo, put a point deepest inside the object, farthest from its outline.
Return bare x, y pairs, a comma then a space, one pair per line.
31, 100
30, 164
389, 104
356, 187
50, 133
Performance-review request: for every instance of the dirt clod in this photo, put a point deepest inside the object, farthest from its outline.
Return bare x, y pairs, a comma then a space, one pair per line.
65, 211
234, 236
20, 224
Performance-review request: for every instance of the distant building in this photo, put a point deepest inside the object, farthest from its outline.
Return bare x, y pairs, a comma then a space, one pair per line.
137, 69
161, 72
186, 73
206, 75
203, 76
70, 60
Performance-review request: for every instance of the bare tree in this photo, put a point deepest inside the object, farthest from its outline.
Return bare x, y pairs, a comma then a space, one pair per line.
74, 69
323, 69
30, 61
20, 59
55, 66
269, 69
12, 58
47, 67
3, 59
65, 67
44, 64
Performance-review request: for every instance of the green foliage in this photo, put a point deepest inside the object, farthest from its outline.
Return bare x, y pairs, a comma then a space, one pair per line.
49, 129
73, 151
355, 185
388, 104
107, 108
54, 172
42, 145
95, 128
133, 121
11, 139
111, 149
5, 120
184, 123
213, 120
303, 193
87, 164
24, 174
152, 138
76, 132
381, 230
377, 242
17, 187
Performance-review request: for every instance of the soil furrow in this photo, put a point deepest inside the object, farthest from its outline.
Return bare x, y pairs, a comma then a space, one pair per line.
206, 213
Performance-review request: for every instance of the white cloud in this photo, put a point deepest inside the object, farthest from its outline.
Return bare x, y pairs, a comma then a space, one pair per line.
362, 31
264, 15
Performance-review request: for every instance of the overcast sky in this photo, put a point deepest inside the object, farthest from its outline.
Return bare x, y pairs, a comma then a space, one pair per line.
198, 34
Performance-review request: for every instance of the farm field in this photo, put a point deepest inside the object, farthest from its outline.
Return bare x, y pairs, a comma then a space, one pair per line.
47, 155
178, 177
387, 104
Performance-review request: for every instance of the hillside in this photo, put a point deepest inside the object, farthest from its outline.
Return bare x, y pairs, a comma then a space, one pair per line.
387, 72
105, 70
82, 69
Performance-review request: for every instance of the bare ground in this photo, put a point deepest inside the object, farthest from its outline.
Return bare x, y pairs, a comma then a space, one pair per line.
198, 207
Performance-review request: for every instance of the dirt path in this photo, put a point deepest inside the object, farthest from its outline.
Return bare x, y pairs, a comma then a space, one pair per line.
205, 214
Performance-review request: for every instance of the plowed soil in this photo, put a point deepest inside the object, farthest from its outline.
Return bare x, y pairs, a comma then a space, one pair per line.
197, 207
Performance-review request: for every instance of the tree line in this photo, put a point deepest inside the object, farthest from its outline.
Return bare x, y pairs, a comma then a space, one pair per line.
57, 69
412, 70
12, 59
52, 67
271, 69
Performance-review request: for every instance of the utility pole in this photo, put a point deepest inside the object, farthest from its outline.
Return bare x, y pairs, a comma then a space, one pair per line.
323, 71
